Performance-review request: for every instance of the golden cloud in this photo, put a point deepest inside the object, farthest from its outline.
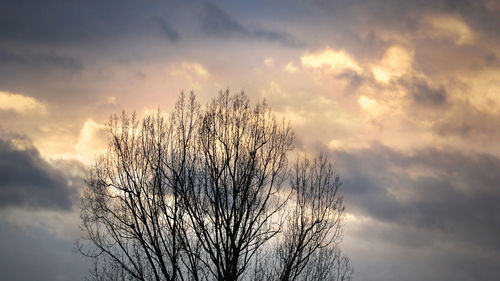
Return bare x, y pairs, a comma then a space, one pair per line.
20, 104
290, 67
395, 62
91, 140
335, 61
370, 105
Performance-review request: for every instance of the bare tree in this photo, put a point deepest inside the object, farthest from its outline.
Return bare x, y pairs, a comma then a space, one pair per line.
198, 194
314, 220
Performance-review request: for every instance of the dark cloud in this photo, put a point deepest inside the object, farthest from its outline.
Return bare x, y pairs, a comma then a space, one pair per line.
424, 94
217, 22
76, 22
492, 60
29, 181
434, 213
170, 33
354, 78
449, 192
37, 61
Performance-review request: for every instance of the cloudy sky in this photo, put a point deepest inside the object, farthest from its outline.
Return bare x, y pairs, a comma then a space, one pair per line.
404, 97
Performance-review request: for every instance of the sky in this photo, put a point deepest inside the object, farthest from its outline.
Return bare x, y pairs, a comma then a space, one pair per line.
402, 96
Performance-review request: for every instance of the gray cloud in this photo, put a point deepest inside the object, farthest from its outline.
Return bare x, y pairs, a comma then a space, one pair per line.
217, 22
37, 60
35, 254
354, 78
29, 181
75, 22
401, 14
170, 33
469, 123
450, 192
436, 208
424, 94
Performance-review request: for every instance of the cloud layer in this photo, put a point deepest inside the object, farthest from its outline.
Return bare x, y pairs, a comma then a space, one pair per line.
402, 95
29, 181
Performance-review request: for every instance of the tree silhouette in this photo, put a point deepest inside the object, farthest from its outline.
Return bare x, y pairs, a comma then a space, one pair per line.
203, 195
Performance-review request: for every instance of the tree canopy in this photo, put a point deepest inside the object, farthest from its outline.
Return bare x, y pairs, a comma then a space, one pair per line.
208, 193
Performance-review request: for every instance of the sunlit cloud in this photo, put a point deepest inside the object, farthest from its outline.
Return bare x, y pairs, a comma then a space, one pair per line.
290, 67
334, 61
483, 88
370, 105
395, 62
190, 70
20, 103
91, 140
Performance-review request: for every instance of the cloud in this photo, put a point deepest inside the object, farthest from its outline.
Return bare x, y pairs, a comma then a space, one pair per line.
448, 26
470, 124
20, 104
482, 90
421, 208
492, 5
269, 62
36, 254
91, 141
371, 105
395, 62
334, 61
290, 67
170, 33
425, 94
79, 22
29, 181
190, 70
39, 60
451, 193
217, 22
